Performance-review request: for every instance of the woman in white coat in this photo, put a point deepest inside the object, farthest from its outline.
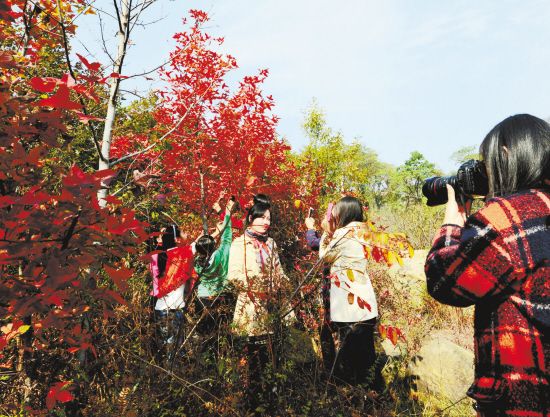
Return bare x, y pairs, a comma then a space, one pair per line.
353, 306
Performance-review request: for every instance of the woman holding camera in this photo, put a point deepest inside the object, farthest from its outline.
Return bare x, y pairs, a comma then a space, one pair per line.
498, 259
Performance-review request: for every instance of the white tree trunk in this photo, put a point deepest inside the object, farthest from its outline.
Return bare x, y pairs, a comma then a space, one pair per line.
122, 36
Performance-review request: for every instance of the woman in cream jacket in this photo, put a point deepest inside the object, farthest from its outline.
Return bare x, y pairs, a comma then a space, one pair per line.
353, 306
256, 273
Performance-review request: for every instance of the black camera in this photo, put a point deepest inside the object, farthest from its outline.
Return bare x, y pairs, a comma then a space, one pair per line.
469, 182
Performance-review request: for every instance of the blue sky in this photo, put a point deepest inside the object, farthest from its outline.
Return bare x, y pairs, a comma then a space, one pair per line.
399, 76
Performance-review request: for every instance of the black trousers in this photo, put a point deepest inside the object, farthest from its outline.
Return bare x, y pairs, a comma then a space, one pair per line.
351, 355
170, 332
217, 310
259, 355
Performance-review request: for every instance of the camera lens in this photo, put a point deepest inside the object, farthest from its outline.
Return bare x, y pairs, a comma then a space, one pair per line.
435, 190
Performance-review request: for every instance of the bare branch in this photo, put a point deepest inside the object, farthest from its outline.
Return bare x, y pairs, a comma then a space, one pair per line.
136, 17
70, 68
134, 93
99, 9
159, 66
70, 231
152, 22
118, 17
103, 40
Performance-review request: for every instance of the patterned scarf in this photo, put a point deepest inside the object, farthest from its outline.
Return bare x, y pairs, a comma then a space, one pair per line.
264, 250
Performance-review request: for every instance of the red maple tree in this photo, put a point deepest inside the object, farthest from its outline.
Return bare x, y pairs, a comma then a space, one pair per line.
212, 138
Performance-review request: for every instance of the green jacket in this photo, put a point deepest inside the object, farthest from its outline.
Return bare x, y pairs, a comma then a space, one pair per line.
214, 276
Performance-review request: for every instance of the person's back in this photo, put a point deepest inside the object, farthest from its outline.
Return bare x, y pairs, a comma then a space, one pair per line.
213, 276
353, 306
346, 254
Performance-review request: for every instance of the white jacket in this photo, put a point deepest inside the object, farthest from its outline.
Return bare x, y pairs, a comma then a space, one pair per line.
352, 297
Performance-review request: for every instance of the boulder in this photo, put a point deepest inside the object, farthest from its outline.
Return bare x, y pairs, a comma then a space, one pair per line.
442, 367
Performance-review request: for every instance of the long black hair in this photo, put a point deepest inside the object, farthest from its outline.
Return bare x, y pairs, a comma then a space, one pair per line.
168, 242
348, 209
516, 153
258, 209
205, 247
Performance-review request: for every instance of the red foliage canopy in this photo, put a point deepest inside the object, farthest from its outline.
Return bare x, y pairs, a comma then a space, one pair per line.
227, 137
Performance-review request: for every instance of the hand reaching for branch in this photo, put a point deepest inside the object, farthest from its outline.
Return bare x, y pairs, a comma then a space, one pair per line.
230, 207
216, 207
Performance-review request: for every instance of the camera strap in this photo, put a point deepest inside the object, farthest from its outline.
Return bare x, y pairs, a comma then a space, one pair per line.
464, 203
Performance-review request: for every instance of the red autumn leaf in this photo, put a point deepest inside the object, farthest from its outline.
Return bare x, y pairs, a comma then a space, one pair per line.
377, 254
119, 276
61, 100
116, 297
55, 299
59, 392
105, 175
362, 304
77, 177
334, 278
112, 199
68, 80
116, 75
44, 84
93, 66
86, 118
383, 331
7, 61
392, 335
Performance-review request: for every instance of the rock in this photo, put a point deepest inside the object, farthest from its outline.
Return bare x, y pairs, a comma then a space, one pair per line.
410, 278
443, 368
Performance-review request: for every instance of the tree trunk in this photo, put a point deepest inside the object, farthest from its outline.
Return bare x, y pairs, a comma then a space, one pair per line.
122, 36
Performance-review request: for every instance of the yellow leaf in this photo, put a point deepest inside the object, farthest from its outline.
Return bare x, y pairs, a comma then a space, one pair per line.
366, 251
23, 329
89, 10
391, 258
350, 275
411, 251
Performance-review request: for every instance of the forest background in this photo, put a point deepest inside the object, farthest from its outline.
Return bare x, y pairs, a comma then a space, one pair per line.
86, 181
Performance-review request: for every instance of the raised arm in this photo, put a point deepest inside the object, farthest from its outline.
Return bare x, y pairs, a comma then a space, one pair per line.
467, 264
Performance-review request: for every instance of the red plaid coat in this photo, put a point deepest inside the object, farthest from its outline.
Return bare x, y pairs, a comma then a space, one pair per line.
500, 262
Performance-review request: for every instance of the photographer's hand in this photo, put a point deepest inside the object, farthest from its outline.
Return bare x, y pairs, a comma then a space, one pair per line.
454, 213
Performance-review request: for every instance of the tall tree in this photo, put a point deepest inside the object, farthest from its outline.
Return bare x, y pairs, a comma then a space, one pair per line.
344, 167
207, 137
464, 154
408, 179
